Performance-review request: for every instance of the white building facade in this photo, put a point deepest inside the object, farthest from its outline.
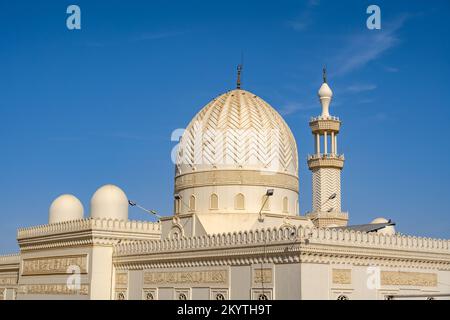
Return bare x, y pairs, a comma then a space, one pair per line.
236, 231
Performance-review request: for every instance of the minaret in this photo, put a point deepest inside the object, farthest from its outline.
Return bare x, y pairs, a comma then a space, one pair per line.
326, 165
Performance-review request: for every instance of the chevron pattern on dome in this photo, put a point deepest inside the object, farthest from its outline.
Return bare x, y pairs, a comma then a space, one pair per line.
237, 130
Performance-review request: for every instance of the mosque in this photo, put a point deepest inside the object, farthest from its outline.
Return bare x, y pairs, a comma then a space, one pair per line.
236, 231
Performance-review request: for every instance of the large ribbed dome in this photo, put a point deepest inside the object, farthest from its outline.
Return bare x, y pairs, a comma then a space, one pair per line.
237, 130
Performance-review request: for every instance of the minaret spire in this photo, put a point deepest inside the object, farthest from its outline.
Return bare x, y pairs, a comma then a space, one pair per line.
326, 164
325, 95
239, 71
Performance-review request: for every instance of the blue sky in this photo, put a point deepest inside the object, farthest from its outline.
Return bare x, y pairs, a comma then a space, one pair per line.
82, 108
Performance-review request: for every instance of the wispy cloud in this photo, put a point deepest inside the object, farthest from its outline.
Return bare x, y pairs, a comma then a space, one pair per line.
294, 107
365, 101
368, 45
356, 88
391, 69
304, 20
381, 116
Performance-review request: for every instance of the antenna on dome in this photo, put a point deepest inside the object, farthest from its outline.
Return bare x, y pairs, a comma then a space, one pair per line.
239, 71
238, 82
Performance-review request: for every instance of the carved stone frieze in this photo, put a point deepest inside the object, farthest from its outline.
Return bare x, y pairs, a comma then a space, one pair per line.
401, 278
186, 277
262, 275
342, 276
53, 289
54, 265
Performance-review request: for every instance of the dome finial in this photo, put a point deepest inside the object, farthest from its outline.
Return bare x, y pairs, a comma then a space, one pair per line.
324, 74
238, 82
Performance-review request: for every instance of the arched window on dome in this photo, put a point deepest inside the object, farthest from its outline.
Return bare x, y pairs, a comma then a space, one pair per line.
239, 202
285, 205
214, 202
265, 203
192, 203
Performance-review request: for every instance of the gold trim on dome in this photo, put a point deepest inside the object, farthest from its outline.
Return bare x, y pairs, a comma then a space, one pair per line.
235, 177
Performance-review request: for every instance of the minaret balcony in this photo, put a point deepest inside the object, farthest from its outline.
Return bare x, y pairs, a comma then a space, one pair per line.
321, 124
325, 160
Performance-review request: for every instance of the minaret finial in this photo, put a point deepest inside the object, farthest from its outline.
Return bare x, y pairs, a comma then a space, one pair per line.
325, 94
238, 82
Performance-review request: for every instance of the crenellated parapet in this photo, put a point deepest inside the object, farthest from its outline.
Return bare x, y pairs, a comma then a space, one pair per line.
9, 267
321, 124
83, 232
88, 224
9, 260
287, 234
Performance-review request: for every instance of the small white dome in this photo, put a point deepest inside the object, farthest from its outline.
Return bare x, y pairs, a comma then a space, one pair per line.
380, 220
386, 230
109, 202
325, 91
65, 208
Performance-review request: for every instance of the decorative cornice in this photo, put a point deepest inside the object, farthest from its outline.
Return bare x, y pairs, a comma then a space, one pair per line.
325, 161
9, 262
319, 235
76, 226
10, 258
279, 254
319, 125
85, 233
284, 245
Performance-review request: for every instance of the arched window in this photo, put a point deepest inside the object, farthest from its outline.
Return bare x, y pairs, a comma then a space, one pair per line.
285, 205
214, 202
265, 203
239, 201
175, 233
220, 296
342, 297
182, 296
262, 296
192, 203
177, 206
